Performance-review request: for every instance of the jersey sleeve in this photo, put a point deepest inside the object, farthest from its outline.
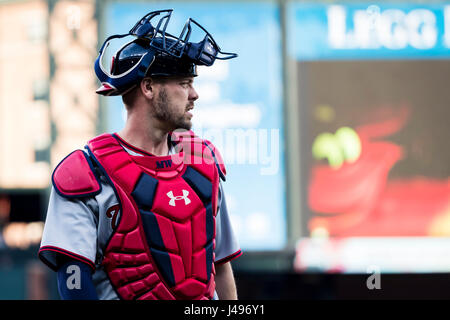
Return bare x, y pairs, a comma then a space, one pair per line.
84, 289
69, 231
227, 245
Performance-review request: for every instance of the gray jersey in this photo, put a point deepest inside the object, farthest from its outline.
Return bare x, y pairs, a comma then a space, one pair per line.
81, 227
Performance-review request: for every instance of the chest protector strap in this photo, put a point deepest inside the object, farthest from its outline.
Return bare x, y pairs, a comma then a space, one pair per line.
163, 244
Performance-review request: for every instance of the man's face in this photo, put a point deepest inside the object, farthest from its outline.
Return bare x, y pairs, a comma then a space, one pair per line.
174, 99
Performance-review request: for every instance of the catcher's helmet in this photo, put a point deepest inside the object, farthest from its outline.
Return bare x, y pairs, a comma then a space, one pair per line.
155, 53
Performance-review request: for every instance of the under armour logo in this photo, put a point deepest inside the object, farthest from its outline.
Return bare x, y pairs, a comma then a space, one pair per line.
183, 197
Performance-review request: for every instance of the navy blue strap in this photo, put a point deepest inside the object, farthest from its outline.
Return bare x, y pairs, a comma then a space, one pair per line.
75, 281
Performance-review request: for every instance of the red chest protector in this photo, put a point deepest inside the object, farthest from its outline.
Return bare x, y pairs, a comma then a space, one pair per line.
163, 245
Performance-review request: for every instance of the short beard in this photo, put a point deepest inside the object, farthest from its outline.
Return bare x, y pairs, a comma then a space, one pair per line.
164, 113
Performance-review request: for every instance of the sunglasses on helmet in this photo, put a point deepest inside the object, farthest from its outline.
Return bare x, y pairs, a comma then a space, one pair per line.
203, 52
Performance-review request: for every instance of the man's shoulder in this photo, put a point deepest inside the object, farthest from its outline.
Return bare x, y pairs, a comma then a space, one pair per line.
188, 136
75, 176
217, 158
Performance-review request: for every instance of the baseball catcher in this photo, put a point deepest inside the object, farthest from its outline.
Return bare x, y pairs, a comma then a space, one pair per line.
141, 213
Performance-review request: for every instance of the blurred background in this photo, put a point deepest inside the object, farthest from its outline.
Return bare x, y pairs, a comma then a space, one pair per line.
333, 124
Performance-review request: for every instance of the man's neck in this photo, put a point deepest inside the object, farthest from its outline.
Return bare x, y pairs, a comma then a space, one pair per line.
152, 141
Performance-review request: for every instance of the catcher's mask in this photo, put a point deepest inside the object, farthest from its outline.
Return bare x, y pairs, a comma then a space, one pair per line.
153, 52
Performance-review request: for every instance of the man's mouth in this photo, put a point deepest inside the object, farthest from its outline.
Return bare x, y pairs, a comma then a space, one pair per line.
189, 108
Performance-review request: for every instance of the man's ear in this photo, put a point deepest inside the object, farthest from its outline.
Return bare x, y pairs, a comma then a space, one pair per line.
147, 87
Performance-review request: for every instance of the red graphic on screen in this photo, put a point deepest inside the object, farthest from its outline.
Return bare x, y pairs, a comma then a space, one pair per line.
357, 199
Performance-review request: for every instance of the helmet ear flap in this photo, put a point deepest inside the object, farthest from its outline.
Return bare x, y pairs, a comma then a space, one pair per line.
118, 64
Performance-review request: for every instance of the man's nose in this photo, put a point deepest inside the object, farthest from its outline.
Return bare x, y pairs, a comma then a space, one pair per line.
193, 95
